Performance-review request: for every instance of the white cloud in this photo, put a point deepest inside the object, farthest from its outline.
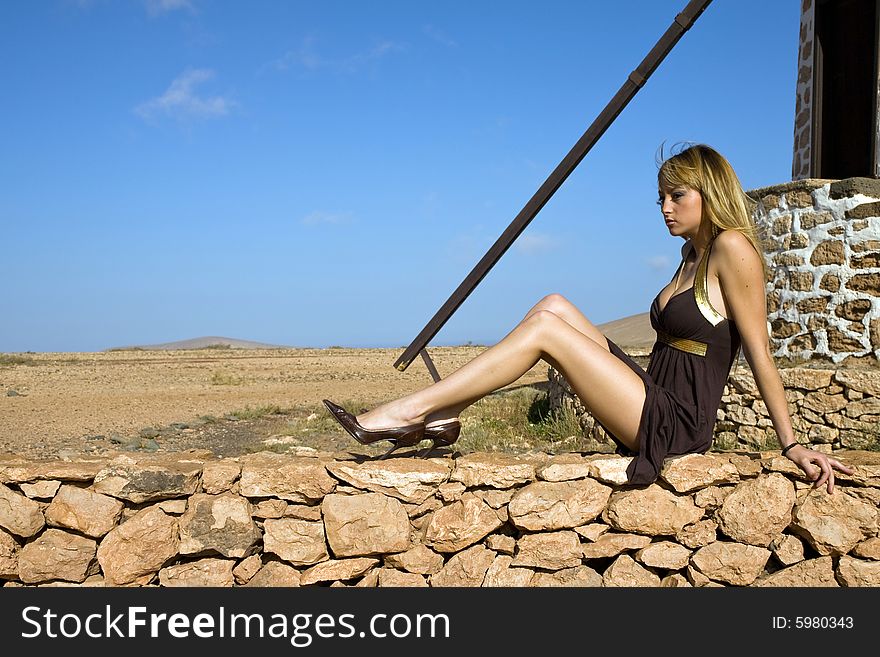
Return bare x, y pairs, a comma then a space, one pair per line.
319, 217
304, 57
440, 36
181, 99
535, 243
307, 58
378, 51
156, 7
658, 263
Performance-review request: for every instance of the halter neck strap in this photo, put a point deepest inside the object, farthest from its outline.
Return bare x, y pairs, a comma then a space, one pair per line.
701, 289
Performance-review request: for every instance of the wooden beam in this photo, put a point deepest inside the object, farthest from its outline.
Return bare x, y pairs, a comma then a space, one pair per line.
633, 83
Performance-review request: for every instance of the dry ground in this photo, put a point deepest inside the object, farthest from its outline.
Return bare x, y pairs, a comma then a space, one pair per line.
227, 400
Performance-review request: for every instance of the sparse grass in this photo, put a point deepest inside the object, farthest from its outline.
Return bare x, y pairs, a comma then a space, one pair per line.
870, 439
726, 441
248, 413
260, 447
768, 444
220, 378
298, 423
14, 359
519, 420
323, 423
867, 439
509, 421
874, 444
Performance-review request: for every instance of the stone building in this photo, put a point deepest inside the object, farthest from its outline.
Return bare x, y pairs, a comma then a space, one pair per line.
821, 233
822, 228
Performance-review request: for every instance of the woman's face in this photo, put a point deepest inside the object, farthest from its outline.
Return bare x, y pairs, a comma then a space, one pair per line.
682, 209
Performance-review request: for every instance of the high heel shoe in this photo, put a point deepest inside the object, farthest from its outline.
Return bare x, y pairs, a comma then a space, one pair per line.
441, 435
399, 436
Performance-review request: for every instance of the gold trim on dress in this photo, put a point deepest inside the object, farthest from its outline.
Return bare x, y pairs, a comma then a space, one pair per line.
701, 290
683, 344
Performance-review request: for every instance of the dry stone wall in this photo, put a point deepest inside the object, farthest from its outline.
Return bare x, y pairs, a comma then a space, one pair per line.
823, 261
746, 519
830, 410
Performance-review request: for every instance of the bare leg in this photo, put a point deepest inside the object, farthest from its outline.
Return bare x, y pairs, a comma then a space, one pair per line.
558, 305
613, 392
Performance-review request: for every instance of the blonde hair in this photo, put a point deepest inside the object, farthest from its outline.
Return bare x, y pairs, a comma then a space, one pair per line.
725, 204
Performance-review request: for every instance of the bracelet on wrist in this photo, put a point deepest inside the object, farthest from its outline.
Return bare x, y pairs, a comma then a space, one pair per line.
788, 447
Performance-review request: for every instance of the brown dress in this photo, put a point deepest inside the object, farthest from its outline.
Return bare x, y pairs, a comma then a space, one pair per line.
689, 366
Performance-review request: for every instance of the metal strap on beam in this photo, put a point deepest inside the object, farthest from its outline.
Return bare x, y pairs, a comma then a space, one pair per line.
430, 365
637, 79
633, 83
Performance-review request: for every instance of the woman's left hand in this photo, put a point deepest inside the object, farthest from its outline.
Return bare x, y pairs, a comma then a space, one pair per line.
808, 460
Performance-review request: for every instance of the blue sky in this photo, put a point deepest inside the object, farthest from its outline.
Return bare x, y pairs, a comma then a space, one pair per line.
327, 173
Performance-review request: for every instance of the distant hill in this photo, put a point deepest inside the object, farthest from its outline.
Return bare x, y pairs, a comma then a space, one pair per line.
633, 332
204, 342
630, 333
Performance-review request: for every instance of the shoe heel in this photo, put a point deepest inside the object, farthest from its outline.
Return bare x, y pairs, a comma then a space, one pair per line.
394, 447
442, 435
434, 445
408, 441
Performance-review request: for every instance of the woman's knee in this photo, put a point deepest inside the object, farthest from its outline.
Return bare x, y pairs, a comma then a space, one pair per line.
554, 302
542, 320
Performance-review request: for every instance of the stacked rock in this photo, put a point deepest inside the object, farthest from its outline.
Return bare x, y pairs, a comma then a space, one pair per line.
482, 519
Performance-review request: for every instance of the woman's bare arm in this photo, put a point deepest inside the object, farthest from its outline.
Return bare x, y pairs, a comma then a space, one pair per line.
742, 282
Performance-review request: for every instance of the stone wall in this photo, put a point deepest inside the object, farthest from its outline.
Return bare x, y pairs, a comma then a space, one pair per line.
823, 261
830, 410
477, 520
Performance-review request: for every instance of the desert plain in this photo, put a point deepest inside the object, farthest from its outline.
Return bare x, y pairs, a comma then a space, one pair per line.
229, 401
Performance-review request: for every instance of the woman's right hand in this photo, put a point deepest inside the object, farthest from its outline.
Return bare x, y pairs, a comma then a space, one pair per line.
817, 466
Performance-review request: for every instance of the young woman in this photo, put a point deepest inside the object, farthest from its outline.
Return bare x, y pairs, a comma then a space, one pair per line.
714, 305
